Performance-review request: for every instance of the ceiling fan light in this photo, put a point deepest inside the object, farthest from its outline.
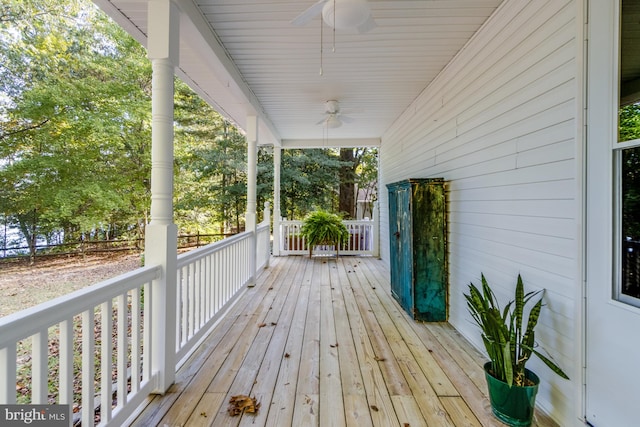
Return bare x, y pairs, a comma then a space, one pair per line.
349, 14
333, 122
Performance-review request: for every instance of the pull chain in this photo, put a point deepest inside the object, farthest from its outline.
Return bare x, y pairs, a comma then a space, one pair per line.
334, 25
321, 29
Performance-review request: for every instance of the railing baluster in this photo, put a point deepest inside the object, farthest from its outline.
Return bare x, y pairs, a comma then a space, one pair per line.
8, 381
191, 298
209, 286
65, 388
147, 331
181, 300
123, 348
88, 368
183, 314
106, 360
135, 340
39, 371
199, 296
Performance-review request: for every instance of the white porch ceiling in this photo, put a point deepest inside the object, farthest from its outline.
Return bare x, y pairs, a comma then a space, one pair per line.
246, 58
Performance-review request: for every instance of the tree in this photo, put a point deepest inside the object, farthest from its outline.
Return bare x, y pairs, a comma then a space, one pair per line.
347, 191
71, 128
359, 172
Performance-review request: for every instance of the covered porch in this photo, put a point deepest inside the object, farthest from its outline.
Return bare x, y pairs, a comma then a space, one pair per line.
481, 93
320, 341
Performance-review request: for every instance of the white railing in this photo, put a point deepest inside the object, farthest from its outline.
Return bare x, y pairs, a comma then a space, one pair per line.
211, 278
208, 279
362, 239
100, 334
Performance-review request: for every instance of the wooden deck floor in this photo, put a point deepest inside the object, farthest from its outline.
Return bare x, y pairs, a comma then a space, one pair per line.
320, 342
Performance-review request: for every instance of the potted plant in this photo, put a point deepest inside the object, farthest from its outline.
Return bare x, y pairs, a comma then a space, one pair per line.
509, 343
324, 228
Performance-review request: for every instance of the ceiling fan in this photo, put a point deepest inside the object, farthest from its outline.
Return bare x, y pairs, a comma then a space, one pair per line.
340, 14
334, 118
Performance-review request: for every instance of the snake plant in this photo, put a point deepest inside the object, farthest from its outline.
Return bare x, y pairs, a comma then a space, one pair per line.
508, 340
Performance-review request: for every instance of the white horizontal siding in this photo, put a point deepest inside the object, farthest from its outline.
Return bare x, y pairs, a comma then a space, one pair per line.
499, 124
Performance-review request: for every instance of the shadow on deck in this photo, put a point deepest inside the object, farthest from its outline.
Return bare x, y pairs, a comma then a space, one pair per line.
320, 342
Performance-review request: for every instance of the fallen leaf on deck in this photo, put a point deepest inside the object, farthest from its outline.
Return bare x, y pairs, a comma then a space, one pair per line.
379, 359
203, 414
273, 323
262, 325
374, 408
241, 403
287, 355
333, 345
406, 425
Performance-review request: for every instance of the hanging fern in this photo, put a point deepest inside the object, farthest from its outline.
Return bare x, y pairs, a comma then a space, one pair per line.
323, 228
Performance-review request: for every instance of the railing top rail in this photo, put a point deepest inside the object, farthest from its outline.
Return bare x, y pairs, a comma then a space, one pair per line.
34, 319
349, 221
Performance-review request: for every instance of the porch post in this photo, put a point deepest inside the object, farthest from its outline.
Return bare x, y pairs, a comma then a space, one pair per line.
277, 159
376, 228
161, 232
252, 173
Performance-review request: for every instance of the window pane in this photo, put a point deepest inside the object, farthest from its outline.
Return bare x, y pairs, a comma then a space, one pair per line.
630, 199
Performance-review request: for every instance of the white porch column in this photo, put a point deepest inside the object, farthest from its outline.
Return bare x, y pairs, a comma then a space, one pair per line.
277, 159
161, 233
252, 175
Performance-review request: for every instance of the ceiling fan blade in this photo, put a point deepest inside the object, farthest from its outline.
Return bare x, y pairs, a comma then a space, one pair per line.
322, 121
346, 119
306, 16
367, 25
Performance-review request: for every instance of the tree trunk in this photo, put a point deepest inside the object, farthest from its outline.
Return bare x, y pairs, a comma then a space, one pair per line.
347, 197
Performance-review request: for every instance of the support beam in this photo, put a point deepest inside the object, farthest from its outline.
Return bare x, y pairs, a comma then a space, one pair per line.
161, 233
252, 183
277, 161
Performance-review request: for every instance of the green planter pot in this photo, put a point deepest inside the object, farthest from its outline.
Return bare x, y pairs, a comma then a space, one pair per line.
512, 405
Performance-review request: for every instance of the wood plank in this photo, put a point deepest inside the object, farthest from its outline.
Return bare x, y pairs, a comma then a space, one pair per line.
281, 408
432, 409
209, 405
332, 405
356, 408
459, 411
254, 346
438, 379
448, 360
383, 351
408, 411
381, 408
265, 380
306, 405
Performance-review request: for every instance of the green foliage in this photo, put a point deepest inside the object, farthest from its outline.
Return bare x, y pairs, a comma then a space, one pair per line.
75, 136
75, 123
629, 122
508, 341
310, 179
323, 228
